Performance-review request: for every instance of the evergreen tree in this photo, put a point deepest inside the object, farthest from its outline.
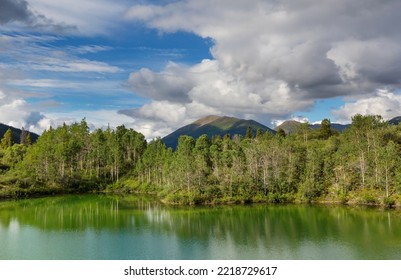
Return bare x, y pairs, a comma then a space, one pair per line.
325, 129
28, 140
360, 163
281, 132
249, 133
7, 140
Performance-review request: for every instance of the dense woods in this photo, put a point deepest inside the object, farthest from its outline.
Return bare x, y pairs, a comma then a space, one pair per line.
359, 166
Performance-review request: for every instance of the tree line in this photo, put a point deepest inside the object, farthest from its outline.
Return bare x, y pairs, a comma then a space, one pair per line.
360, 165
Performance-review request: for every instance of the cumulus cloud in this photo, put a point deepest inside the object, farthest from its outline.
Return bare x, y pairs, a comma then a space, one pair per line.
16, 112
175, 82
14, 109
182, 94
383, 102
300, 119
158, 118
274, 58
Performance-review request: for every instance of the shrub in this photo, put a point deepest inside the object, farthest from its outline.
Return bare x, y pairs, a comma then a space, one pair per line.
389, 202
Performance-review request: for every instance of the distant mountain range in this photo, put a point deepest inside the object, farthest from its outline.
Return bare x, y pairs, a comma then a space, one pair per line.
395, 120
292, 126
214, 125
211, 126
16, 133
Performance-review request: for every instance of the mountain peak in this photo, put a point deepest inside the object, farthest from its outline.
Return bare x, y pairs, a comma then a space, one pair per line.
206, 120
212, 126
289, 126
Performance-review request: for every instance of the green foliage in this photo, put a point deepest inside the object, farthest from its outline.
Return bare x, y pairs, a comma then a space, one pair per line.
281, 132
389, 202
249, 133
325, 129
75, 159
362, 165
7, 140
368, 197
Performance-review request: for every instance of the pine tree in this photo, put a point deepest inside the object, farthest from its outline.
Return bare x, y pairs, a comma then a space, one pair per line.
325, 129
281, 132
7, 140
28, 140
249, 133
259, 133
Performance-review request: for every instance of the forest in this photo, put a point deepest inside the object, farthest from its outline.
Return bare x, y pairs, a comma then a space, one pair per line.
360, 166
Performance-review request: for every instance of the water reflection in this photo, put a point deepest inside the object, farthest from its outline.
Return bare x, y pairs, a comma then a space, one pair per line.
130, 227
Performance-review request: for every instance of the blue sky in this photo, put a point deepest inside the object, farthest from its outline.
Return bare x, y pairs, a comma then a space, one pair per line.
157, 65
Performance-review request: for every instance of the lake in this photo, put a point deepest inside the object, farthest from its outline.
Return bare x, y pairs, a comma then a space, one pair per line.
133, 227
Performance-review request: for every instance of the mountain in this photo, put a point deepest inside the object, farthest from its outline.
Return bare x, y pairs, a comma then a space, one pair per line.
212, 126
289, 127
292, 126
395, 120
336, 126
16, 133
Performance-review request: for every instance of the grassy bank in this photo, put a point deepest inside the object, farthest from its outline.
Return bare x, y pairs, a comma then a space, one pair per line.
12, 187
215, 196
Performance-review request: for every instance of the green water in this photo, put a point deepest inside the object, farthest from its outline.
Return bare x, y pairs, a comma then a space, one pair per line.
110, 227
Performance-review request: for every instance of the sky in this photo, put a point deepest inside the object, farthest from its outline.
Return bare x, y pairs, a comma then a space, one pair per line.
155, 66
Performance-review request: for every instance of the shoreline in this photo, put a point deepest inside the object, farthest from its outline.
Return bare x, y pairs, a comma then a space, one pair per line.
27, 193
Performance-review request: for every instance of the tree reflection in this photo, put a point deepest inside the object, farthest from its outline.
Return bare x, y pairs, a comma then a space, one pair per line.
366, 233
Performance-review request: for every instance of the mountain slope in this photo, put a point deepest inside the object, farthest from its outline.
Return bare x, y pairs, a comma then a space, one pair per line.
292, 126
336, 126
395, 121
16, 133
289, 127
212, 126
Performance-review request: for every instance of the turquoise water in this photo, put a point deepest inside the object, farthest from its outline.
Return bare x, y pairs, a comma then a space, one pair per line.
130, 227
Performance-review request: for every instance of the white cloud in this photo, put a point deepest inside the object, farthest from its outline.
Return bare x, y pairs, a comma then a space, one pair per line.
182, 94
173, 83
75, 65
38, 84
37, 53
90, 49
159, 118
274, 58
19, 15
89, 17
270, 59
383, 102
104, 118
17, 113
300, 119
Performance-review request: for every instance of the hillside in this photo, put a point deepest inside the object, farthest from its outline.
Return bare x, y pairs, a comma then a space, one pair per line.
16, 133
336, 126
289, 127
212, 126
395, 121
292, 126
